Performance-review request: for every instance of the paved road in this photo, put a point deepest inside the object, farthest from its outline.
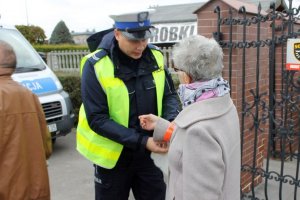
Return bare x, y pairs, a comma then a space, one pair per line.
71, 175
274, 190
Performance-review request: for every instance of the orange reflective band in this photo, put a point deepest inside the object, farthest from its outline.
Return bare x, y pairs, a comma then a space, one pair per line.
169, 132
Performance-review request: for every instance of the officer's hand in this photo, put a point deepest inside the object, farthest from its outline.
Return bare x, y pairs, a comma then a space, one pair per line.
156, 147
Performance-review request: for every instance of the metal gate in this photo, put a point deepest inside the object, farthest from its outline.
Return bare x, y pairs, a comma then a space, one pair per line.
266, 95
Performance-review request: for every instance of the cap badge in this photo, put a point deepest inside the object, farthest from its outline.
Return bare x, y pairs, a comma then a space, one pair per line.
142, 16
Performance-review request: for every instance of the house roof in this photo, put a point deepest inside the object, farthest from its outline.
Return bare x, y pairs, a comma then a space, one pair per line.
186, 12
83, 33
236, 4
175, 13
265, 4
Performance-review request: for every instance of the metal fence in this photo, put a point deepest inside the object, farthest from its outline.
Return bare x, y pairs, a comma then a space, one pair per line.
267, 95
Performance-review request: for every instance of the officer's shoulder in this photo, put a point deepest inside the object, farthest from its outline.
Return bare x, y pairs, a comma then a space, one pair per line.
154, 47
96, 55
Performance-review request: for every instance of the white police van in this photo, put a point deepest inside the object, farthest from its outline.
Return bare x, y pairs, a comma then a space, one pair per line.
33, 73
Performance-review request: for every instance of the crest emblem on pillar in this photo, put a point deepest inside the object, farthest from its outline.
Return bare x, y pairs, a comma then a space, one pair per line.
297, 51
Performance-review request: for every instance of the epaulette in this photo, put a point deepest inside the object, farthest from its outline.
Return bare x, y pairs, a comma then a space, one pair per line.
97, 56
152, 46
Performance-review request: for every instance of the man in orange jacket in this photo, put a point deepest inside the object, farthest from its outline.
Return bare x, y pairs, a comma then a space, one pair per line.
25, 142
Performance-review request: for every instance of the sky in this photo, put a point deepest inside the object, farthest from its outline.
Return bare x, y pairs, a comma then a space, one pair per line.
79, 16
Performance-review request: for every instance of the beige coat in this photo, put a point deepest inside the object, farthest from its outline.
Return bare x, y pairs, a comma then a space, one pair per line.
24, 139
204, 155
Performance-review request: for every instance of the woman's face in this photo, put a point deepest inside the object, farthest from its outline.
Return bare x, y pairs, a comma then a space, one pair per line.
183, 77
132, 48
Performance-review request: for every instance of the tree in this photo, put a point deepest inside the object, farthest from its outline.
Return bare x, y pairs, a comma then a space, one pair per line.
61, 34
34, 34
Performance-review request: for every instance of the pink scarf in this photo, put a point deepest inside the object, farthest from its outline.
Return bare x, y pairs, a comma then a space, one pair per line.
198, 91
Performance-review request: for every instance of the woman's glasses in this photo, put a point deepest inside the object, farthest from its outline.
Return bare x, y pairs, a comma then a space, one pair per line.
177, 70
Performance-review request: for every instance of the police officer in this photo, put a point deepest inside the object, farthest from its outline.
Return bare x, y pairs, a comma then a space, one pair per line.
123, 78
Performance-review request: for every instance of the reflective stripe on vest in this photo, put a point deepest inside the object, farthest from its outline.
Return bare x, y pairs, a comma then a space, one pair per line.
96, 148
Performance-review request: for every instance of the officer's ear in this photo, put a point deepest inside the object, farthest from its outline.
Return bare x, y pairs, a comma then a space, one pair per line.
117, 34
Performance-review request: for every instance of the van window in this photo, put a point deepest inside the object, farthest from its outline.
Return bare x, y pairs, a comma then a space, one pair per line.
27, 58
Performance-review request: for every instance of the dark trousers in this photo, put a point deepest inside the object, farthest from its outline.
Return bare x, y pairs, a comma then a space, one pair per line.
134, 170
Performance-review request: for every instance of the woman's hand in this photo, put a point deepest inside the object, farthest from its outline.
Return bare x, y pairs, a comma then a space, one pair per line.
148, 122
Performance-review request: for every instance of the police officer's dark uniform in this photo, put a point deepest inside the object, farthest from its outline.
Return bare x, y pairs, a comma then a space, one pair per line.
134, 169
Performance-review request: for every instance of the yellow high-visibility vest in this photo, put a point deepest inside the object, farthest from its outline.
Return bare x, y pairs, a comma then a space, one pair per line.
96, 148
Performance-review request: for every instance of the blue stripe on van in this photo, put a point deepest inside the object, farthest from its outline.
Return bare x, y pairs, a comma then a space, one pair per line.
39, 86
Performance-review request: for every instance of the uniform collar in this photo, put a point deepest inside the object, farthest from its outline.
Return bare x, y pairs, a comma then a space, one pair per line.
127, 67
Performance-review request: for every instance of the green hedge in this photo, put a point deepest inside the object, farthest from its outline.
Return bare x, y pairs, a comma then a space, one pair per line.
175, 80
58, 47
72, 85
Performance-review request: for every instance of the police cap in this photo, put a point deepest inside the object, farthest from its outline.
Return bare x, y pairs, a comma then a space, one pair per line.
135, 25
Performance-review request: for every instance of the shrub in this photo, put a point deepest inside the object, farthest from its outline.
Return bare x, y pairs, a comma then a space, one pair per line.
72, 85
58, 47
34, 34
61, 34
175, 80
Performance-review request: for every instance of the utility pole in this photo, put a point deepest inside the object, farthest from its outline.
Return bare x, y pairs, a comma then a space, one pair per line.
26, 12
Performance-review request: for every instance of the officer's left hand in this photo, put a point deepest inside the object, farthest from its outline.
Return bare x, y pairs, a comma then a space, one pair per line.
156, 147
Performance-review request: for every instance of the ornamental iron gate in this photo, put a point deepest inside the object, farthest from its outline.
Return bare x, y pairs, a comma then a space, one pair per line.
266, 95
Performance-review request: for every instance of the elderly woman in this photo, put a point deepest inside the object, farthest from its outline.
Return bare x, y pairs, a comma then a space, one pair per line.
204, 152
